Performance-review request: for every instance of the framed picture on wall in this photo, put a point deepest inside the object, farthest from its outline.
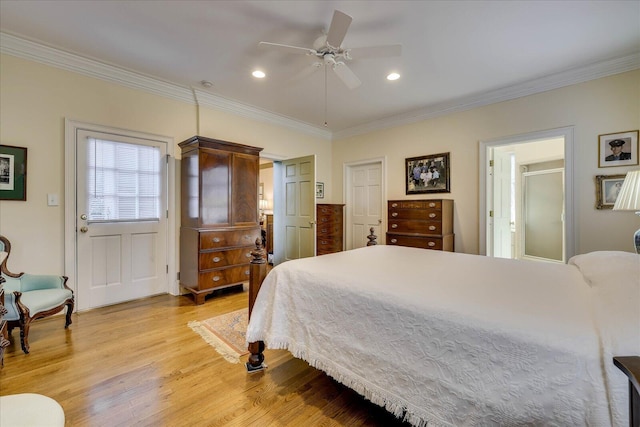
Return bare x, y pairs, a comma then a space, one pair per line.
13, 173
618, 149
427, 174
607, 189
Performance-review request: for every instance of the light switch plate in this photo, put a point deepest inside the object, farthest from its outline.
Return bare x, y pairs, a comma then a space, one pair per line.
52, 200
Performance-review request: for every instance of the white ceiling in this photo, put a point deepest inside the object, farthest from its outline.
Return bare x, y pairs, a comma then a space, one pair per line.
454, 53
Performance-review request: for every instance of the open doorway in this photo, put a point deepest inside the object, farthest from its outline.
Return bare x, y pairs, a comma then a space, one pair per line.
526, 196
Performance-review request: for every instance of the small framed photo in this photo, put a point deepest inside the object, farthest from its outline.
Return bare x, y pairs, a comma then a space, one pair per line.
607, 189
319, 190
618, 149
13, 173
428, 174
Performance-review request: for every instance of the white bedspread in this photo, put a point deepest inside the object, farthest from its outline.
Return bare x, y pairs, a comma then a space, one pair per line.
452, 339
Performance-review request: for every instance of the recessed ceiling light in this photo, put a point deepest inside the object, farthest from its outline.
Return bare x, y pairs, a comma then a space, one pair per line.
258, 74
393, 76
206, 83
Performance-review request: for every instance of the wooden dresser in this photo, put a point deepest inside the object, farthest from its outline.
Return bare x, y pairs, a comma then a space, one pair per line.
330, 228
219, 207
424, 224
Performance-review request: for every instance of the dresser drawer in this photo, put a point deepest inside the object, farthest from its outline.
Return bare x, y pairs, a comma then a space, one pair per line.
415, 226
329, 210
223, 277
325, 230
226, 238
415, 204
415, 241
430, 214
219, 259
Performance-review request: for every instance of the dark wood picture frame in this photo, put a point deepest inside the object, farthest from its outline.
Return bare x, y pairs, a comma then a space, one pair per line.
13, 173
607, 188
628, 149
428, 174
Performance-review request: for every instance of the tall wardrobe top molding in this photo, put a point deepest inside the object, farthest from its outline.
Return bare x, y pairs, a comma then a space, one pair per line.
204, 142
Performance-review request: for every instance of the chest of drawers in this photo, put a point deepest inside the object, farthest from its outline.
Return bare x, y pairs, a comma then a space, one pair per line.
424, 224
330, 228
215, 259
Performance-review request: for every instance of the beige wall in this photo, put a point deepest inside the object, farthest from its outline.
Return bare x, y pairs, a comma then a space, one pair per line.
601, 106
35, 99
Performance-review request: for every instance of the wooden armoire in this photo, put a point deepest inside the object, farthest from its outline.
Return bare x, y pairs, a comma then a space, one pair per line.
219, 208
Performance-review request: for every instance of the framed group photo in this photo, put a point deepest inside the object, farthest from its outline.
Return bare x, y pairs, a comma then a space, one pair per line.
607, 189
618, 149
427, 174
13, 173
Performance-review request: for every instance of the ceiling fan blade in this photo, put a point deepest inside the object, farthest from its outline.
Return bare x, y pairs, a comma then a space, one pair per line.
375, 51
346, 75
288, 49
338, 29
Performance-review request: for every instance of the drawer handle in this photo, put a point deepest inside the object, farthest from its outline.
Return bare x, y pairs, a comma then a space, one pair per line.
247, 237
394, 205
431, 244
432, 227
248, 255
394, 225
323, 242
216, 278
247, 272
394, 214
216, 240
432, 215
432, 205
324, 230
216, 259
394, 240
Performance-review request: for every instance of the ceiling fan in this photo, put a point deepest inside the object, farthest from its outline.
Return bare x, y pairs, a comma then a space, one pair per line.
328, 48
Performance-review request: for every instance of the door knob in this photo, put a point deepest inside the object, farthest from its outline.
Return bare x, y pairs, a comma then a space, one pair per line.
83, 229
83, 217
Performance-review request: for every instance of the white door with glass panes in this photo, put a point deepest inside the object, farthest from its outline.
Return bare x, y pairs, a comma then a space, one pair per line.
121, 209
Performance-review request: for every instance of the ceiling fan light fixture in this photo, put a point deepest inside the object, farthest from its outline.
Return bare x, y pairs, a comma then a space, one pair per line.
258, 74
393, 76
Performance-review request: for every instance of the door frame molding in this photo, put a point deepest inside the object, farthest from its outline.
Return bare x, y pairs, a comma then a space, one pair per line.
346, 199
570, 237
71, 128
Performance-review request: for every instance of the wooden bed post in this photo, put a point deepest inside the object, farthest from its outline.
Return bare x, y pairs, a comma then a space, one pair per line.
257, 273
372, 238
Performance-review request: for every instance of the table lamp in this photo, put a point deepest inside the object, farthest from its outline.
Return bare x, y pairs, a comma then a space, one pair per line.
629, 200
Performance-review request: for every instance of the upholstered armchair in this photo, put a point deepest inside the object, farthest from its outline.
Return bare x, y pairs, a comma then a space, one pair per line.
29, 297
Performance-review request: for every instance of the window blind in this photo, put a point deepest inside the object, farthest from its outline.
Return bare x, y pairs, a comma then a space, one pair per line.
123, 181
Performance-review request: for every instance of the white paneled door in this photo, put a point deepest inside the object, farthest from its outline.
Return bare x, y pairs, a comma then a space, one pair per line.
121, 210
364, 203
295, 217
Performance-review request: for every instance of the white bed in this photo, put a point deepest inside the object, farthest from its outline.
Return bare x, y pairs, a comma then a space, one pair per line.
452, 339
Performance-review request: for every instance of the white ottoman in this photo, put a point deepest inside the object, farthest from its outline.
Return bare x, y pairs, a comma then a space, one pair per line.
29, 410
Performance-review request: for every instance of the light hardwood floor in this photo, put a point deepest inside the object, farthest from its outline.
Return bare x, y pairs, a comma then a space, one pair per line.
138, 363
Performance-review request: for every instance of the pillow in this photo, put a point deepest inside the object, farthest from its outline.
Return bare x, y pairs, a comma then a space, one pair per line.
608, 268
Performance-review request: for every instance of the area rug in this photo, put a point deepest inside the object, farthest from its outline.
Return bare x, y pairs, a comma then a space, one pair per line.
225, 333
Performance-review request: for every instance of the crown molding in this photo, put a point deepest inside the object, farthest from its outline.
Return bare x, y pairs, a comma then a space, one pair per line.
22, 48
25, 49
531, 87
212, 101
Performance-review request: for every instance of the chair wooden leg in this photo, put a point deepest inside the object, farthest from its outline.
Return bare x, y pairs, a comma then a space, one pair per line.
69, 312
24, 336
